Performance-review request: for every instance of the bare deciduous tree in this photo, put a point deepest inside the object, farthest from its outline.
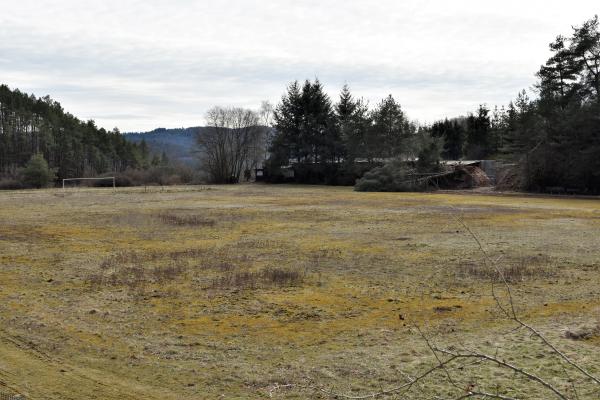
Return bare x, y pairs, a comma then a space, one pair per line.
260, 150
228, 144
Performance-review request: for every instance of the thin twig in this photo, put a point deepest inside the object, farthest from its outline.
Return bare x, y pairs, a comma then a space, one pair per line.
497, 361
485, 395
513, 314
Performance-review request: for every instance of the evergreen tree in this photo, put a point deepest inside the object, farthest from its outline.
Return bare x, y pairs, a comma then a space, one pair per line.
318, 129
30, 125
305, 125
352, 123
585, 50
453, 135
478, 134
164, 160
155, 161
37, 173
557, 137
389, 130
429, 151
144, 153
288, 117
558, 75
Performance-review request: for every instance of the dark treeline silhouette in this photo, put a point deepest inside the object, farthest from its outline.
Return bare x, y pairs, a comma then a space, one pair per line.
552, 140
30, 126
336, 143
555, 138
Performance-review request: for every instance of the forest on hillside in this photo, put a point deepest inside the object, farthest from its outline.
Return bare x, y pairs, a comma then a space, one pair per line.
72, 148
178, 144
41, 143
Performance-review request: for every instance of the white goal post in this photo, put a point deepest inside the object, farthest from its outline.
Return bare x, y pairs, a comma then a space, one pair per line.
91, 179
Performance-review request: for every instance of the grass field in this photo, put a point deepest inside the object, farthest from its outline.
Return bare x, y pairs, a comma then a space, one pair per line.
256, 291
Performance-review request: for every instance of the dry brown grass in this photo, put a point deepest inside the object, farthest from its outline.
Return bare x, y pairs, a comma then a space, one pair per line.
585, 332
186, 220
136, 276
268, 277
514, 271
291, 286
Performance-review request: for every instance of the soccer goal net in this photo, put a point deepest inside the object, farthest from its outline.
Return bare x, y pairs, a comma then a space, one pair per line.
108, 178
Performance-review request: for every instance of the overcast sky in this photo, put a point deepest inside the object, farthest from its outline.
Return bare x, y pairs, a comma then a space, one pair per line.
142, 64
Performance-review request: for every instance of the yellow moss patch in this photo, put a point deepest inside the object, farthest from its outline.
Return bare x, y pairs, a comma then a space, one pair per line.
375, 264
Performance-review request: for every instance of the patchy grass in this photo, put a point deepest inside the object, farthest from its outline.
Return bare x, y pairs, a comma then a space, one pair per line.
513, 271
254, 291
268, 277
185, 220
585, 332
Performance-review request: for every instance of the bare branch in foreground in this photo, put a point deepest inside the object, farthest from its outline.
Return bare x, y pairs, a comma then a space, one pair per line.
446, 358
513, 314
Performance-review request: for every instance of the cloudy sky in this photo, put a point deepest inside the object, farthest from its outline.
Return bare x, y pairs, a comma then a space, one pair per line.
142, 64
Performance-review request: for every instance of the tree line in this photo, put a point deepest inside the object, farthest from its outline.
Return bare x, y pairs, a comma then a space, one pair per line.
553, 140
32, 126
311, 129
327, 141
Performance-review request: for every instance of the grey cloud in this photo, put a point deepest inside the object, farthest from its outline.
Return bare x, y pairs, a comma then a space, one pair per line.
135, 64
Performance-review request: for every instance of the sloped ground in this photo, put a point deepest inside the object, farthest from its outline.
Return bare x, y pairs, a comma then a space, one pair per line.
270, 291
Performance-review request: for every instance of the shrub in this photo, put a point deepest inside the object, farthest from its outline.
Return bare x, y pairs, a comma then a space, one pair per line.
269, 277
515, 271
368, 184
343, 174
37, 173
157, 175
134, 276
396, 176
584, 332
9, 183
186, 220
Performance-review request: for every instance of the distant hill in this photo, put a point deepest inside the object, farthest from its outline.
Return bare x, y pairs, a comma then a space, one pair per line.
179, 144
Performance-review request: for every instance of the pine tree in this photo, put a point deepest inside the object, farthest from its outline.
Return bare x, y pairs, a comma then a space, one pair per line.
558, 76
453, 136
288, 117
319, 132
478, 134
164, 160
30, 125
305, 125
557, 137
585, 49
352, 124
389, 130
144, 161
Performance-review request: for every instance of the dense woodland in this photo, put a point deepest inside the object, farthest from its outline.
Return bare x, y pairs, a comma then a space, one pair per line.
553, 140
72, 148
336, 143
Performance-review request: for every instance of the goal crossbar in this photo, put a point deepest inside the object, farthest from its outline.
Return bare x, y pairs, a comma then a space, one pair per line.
90, 179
